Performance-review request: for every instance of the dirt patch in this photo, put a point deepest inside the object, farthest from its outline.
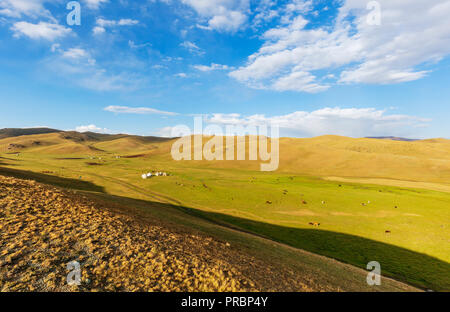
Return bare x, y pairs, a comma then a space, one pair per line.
345, 214
15, 146
69, 158
301, 212
134, 156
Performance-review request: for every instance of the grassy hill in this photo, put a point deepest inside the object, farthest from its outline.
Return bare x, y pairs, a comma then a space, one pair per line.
375, 200
13, 132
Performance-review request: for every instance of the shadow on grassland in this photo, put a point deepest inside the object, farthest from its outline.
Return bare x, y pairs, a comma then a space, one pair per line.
399, 263
49, 179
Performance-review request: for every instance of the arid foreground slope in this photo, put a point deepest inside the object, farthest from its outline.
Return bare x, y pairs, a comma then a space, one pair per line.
42, 229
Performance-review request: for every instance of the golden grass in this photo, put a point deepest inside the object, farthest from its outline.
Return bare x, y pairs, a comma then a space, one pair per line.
42, 229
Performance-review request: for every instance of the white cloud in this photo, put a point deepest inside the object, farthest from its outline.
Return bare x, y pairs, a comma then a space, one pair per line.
122, 22
77, 54
181, 75
100, 80
127, 22
94, 4
299, 81
42, 30
355, 50
221, 15
80, 68
137, 110
97, 30
55, 47
165, 132
31, 8
192, 47
354, 122
212, 67
133, 45
102, 24
92, 128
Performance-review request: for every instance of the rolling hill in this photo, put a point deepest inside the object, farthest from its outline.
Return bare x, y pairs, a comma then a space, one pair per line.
372, 199
325, 156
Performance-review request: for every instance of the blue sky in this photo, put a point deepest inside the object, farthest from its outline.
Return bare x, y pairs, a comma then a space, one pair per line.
356, 68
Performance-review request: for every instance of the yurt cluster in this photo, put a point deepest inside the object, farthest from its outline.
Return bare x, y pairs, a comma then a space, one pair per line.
154, 174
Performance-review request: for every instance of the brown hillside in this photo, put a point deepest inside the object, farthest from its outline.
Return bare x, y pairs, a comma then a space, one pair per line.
43, 228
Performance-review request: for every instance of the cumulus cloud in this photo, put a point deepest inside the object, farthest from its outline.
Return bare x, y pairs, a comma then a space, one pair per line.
137, 110
354, 122
42, 30
221, 15
19, 8
296, 53
299, 81
78, 54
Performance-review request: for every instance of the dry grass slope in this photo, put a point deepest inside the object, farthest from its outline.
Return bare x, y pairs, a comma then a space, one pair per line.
42, 229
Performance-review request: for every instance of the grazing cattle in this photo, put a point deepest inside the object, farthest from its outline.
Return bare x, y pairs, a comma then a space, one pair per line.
269, 202
304, 202
387, 232
395, 207
363, 204
368, 201
144, 176
323, 202
314, 223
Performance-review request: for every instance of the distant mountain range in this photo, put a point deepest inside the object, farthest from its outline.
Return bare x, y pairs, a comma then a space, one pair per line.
13, 132
392, 138
73, 135
92, 136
